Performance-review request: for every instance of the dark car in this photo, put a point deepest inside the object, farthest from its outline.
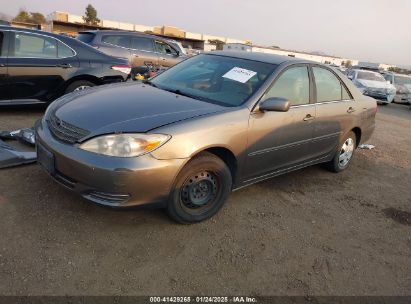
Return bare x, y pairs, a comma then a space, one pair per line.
38, 67
211, 124
141, 50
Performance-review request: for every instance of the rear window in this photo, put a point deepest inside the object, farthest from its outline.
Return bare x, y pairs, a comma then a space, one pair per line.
119, 40
86, 37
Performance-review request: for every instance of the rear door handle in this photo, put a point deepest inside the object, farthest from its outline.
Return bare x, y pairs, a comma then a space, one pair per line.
308, 117
135, 55
2, 65
350, 110
64, 65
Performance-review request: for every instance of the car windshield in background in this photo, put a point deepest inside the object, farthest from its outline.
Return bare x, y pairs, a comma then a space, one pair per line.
401, 80
85, 37
223, 80
370, 76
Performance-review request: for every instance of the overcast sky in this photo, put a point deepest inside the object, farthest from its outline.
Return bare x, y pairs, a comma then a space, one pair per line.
369, 30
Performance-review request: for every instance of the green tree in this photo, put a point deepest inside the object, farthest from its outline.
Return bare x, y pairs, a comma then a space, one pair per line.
32, 17
218, 43
37, 17
90, 16
348, 64
394, 69
22, 16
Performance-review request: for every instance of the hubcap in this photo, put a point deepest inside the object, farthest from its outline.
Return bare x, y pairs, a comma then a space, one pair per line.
346, 152
80, 88
199, 190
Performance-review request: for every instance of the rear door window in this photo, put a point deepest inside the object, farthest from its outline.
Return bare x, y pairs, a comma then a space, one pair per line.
142, 44
165, 49
118, 40
27, 45
63, 51
328, 86
86, 37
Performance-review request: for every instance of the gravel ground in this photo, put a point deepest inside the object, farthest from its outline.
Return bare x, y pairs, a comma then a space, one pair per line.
307, 232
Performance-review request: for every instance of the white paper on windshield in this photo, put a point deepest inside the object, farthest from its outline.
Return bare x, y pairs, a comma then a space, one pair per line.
239, 74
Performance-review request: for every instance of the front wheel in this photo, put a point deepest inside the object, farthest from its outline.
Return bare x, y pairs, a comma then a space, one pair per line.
79, 85
344, 154
201, 189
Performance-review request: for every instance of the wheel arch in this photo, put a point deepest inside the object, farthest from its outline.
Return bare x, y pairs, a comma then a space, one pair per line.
357, 131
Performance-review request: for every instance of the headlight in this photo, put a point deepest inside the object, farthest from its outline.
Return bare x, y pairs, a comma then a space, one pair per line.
125, 145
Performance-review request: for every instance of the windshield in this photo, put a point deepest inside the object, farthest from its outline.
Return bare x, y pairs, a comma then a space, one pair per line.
370, 76
223, 80
402, 80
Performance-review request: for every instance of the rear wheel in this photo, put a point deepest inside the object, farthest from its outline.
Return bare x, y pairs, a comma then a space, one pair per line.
79, 85
343, 156
201, 189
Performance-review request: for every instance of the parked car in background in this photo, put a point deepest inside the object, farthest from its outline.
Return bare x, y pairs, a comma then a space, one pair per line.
141, 50
402, 84
216, 122
37, 67
372, 84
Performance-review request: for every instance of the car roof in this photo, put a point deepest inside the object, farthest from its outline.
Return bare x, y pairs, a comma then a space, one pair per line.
114, 32
262, 57
23, 29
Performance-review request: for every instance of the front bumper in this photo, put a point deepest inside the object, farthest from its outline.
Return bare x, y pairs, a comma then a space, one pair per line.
111, 181
402, 98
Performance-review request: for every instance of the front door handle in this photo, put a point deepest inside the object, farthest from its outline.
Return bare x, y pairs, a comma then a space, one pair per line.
350, 110
308, 117
64, 65
135, 55
2, 65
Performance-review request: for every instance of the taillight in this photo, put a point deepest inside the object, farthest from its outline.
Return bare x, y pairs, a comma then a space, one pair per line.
126, 69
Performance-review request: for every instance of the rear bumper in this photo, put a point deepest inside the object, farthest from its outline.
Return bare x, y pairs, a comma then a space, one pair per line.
111, 181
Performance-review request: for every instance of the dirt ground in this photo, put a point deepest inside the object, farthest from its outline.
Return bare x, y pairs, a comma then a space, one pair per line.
308, 232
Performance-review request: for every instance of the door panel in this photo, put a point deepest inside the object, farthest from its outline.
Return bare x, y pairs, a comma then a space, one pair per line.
142, 52
35, 71
336, 112
4, 92
168, 56
279, 140
332, 119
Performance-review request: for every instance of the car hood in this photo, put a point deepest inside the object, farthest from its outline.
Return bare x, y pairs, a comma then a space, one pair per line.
375, 84
128, 107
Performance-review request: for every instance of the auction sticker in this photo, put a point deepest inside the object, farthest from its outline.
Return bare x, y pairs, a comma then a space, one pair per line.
239, 74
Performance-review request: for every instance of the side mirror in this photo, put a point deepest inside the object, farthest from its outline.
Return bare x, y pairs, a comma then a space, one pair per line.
276, 104
350, 77
389, 82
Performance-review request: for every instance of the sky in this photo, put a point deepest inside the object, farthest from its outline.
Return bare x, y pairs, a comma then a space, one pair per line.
368, 30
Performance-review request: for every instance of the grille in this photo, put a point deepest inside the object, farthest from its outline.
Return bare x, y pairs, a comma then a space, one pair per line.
65, 131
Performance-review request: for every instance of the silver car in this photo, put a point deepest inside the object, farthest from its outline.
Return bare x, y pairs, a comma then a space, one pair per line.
402, 84
372, 84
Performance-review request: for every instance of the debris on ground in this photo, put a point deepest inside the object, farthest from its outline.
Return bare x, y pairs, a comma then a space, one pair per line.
366, 146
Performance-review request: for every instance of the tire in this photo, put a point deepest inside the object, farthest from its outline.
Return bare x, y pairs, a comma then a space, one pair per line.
346, 147
79, 85
201, 189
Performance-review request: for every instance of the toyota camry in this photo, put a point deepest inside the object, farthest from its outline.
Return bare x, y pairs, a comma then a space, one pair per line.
211, 124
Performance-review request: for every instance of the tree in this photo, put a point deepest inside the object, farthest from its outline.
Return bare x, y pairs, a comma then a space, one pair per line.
90, 16
37, 17
218, 43
32, 17
348, 64
394, 69
22, 16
